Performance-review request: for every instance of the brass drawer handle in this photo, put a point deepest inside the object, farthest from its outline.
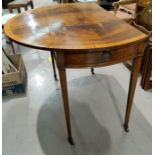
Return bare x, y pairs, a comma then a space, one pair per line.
106, 55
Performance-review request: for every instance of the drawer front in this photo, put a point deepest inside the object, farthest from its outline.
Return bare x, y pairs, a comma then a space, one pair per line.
99, 58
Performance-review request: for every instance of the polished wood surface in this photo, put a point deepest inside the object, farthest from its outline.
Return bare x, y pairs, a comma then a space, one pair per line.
80, 35
133, 81
71, 26
100, 58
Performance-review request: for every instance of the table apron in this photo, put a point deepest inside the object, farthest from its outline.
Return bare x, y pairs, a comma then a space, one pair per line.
98, 58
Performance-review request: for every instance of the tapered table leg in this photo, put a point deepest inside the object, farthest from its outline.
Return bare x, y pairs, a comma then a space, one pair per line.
10, 9
26, 8
53, 64
32, 5
19, 10
92, 71
133, 81
63, 82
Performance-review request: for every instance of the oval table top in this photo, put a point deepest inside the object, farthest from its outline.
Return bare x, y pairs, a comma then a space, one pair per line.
71, 26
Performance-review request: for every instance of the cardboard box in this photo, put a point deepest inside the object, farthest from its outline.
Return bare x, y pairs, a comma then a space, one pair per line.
15, 82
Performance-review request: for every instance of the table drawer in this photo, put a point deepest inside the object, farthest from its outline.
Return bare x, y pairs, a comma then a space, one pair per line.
99, 58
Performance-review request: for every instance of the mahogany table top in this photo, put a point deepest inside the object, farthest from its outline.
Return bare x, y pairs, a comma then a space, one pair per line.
71, 26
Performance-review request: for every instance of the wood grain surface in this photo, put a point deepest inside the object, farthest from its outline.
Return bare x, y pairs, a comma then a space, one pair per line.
71, 26
80, 35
